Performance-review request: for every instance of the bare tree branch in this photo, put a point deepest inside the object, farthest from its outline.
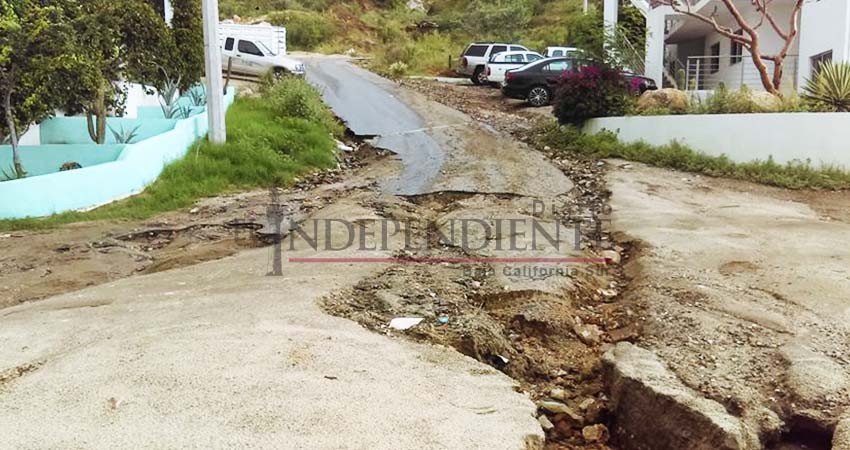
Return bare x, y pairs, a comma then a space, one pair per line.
749, 36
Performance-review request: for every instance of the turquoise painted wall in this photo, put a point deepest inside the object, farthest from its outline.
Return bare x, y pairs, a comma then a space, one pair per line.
46, 159
73, 130
137, 166
155, 112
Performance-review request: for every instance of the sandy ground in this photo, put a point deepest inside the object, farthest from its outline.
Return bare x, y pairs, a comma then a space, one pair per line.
746, 291
739, 288
743, 287
220, 356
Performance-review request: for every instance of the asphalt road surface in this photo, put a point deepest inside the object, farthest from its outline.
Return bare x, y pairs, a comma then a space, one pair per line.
370, 107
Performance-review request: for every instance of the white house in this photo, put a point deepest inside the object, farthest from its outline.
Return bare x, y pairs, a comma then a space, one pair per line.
690, 53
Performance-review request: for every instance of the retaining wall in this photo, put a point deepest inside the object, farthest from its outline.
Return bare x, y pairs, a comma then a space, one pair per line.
135, 167
822, 138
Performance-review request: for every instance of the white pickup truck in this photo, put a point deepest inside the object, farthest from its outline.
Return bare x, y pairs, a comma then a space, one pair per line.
562, 52
501, 63
256, 50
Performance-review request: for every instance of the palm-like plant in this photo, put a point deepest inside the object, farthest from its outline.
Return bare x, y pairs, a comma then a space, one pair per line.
169, 95
830, 89
124, 136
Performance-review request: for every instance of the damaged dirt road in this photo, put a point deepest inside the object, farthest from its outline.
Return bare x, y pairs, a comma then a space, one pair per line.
742, 290
562, 267
219, 356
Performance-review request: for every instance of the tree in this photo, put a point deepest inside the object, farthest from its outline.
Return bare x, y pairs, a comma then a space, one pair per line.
188, 34
40, 67
124, 40
749, 36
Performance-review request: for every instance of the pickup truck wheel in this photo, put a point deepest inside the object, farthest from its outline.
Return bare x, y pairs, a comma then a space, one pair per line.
278, 73
539, 96
479, 77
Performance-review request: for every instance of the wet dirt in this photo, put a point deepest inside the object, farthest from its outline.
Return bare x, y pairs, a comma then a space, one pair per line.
39, 264
548, 330
738, 286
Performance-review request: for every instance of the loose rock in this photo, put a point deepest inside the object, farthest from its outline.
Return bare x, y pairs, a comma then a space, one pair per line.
841, 437
545, 423
595, 433
642, 387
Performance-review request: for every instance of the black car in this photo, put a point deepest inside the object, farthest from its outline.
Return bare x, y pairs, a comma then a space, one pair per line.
535, 82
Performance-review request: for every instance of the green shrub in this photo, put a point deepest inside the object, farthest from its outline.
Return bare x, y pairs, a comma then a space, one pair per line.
294, 98
304, 29
397, 70
501, 19
591, 92
830, 89
724, 101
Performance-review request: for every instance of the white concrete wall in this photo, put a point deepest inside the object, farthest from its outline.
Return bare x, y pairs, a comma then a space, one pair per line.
168, 11
32, 136
824, 26
819, 137
654, 63
137, 97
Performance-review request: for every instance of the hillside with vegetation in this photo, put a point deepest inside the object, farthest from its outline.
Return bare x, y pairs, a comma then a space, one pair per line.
420, 37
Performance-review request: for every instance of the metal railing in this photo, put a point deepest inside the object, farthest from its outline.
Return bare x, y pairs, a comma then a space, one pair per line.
706, 73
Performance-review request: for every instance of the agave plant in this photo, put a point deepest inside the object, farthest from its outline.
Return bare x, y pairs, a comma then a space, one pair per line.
124, 136
169, 95
12, 174
830, 88
198, 96
184, 111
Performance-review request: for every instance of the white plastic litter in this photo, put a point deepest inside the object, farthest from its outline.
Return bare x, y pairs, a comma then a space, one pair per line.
405, 323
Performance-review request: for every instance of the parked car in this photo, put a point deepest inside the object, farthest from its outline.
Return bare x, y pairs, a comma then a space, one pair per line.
562, 52
474, 59
535, 82
500, 63
248, 53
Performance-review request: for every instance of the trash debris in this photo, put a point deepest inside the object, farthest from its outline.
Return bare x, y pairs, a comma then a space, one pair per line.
344, 148
405, 323
498, 361
443, 320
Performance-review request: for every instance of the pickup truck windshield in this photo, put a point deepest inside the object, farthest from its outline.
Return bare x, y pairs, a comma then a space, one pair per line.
266, 50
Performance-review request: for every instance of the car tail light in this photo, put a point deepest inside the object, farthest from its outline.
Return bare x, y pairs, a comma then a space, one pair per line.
464, 62
509, 76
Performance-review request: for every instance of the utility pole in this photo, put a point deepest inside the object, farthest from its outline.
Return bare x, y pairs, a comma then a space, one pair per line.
212, 62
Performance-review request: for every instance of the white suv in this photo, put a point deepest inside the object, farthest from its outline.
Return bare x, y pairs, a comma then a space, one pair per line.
476, 56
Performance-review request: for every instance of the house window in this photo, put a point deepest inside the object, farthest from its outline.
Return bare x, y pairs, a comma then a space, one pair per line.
819, 60
737, 50
714, 61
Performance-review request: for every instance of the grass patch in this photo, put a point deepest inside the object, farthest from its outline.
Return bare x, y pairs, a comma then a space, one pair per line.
795, 175
274, 138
